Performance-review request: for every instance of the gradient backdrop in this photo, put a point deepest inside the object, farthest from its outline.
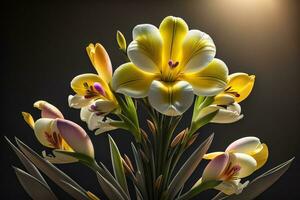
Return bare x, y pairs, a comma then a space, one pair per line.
43, 48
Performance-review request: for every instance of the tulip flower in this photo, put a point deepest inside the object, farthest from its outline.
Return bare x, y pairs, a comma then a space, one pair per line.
55, 132
169, 65
92, 90
240, 159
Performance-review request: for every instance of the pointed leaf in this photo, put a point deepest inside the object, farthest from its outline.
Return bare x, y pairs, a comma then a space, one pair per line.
27, 163
117, 164
188, 168
47, 168
34, 187
76, 194
110, 191
259, 184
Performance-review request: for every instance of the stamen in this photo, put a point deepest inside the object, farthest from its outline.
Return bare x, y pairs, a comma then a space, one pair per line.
172, 64
99, 88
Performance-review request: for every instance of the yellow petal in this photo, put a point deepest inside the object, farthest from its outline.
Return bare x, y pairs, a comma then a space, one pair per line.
198, 51
240, 84
28, 119
101, 61
212, 155
78, 83
173, 31
130, 80
145, 51
247, 164
223, 99
171, 98
209, 81
121, 41
261, 157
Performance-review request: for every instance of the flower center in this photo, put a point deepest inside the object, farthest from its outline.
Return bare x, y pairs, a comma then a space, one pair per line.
231, 172
54, 140
173, 64
93, 90
170, 73
231, 91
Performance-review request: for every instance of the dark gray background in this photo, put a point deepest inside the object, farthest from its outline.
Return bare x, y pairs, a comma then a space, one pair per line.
43, 48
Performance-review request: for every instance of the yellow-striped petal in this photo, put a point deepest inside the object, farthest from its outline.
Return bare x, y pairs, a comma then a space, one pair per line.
261, 156
212, 155
240, 85
246, 163
209, 81
82, 83
198, 51
100, 60
223, 99
171, 98
173, 31
130, 80
145, 51
48, 110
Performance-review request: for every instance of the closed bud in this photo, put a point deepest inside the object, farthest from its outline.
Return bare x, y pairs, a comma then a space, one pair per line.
192, 140
151, 126
178, 139
121, 41
158, 181
128, 162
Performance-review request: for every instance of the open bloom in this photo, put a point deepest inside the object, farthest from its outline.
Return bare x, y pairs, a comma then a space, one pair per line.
240, 159
57, 133
238, 88
169, 65
93, 92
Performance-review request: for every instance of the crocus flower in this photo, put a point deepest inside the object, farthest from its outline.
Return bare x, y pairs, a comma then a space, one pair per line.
238, 88
92, 90
169, 65
57, 133
240, 159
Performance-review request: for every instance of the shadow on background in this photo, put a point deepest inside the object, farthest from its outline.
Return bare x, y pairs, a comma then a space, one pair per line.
43, 48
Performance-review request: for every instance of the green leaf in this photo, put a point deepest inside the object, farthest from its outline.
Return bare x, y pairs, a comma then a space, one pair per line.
117, 164
110, 191
259, 184
198, 189
202, 121
35, 188
188, 168
27, 163
76, 194
47, 168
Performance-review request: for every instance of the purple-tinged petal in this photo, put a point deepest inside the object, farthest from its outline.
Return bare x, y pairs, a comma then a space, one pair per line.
75, 137
216, 167
48, 110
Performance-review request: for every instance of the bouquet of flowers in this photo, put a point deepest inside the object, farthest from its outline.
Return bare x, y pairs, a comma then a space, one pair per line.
168, 70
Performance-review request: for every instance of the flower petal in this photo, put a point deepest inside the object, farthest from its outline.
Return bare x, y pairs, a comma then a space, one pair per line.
209, 81
130, 80
48, 110
46, 134
212, 155
78, 101
198, 51
79, 83
232, 186
104, 106
145, 51
246, 145
28, 119
171, 98
227, 115
75, 137
223, 99
216, 167
101, 61
261, 156
247, 164
241, 83
173, 31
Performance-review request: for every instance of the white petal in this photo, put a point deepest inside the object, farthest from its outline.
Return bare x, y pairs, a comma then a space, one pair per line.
78, 101
247, 164
246, 145
229, 115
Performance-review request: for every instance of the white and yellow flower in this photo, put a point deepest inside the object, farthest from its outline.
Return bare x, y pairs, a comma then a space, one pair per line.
93, 93
169, 65
57, 133
240, 159
238, 88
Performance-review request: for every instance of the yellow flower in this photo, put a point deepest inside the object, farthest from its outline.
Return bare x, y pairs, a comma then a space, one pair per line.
240, 159
169, 65
55, 132
93, 93
239, 86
